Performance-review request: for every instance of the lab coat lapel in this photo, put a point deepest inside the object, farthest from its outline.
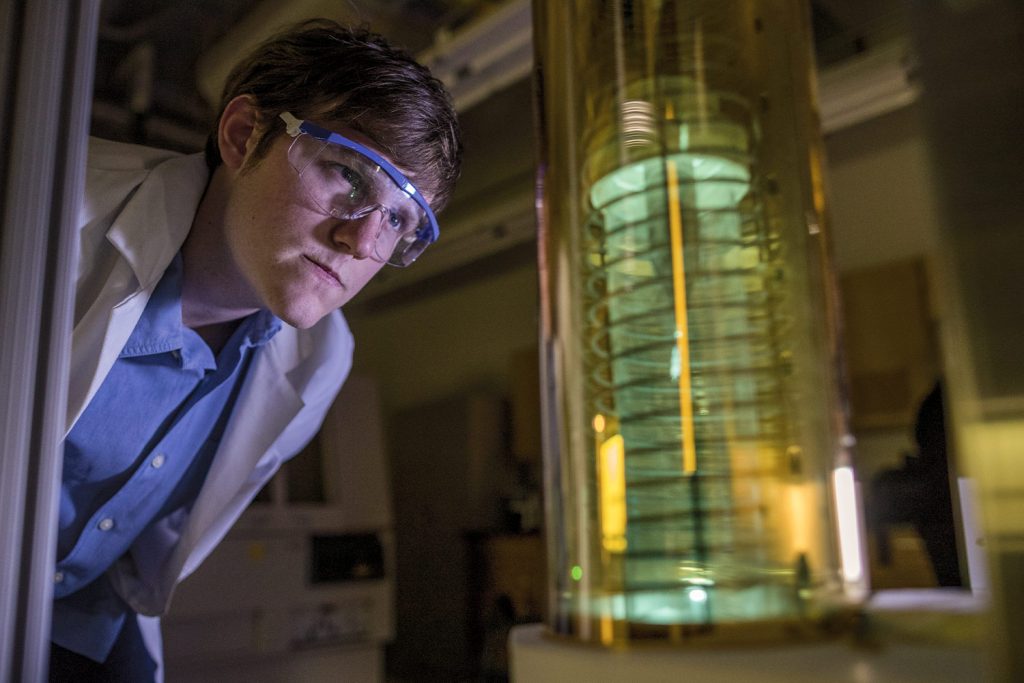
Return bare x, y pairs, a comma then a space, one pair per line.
146, 234
100, 335
267, 404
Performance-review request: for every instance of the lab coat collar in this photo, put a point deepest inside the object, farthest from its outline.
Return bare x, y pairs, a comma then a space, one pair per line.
155, 222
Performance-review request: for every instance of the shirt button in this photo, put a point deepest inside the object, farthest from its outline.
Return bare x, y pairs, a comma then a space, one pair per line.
58, 577
106, 524
158, 461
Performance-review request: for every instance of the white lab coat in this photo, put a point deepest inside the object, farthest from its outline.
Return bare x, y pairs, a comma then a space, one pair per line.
139, 207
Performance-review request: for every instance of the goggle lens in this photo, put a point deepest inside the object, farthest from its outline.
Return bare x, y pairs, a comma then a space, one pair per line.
346, 184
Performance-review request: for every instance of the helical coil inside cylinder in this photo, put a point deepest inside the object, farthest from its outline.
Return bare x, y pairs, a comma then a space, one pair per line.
682, 325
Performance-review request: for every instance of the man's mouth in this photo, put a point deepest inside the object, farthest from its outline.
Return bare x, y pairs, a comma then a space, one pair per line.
325, 271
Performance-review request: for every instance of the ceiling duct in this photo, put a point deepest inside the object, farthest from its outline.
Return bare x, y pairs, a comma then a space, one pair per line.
262, 22
486, 56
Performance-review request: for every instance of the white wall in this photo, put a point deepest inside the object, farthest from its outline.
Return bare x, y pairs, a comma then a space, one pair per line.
436, 346
881, 198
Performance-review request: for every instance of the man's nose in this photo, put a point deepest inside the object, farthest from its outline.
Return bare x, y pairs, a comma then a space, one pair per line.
358, 235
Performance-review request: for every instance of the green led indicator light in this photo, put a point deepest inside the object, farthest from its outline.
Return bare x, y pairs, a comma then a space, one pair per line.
577, 573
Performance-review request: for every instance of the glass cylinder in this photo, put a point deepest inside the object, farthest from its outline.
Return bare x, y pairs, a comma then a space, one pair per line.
697, 482
972, 69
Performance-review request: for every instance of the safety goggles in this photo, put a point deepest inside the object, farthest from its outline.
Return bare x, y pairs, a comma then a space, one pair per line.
350, 181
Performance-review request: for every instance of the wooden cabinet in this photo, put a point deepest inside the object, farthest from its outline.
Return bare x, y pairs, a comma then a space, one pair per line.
890, 342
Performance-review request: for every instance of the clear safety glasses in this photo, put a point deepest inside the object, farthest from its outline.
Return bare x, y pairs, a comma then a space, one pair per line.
349, 181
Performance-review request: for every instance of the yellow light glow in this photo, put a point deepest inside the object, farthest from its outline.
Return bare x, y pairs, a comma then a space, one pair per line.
607, 630
817, 181
995, 449
599, 423
675, 216
800, 511
612, 481
849, 534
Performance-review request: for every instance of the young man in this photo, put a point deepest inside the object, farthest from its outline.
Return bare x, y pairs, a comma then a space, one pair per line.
208, 344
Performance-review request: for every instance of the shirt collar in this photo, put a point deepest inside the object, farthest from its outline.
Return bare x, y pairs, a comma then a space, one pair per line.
260, 328
159, 328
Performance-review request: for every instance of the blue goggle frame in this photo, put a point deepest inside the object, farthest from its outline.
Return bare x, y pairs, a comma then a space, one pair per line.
429, 232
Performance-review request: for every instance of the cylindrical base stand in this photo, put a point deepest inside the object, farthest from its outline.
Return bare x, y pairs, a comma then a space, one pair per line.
904, 644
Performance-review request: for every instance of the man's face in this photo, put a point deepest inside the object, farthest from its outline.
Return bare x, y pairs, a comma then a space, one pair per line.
299, 262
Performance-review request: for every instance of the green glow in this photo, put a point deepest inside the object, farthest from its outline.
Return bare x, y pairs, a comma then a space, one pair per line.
686, 530
577, 572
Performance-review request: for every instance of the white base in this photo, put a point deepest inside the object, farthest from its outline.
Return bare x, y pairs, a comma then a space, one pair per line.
536, 657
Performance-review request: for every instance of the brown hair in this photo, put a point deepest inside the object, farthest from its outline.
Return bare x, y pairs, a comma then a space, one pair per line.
323, 71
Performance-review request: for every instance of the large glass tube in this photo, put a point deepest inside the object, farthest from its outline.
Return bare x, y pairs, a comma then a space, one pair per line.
693, 421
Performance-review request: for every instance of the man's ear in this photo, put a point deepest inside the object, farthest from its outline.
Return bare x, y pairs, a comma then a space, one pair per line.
237, 131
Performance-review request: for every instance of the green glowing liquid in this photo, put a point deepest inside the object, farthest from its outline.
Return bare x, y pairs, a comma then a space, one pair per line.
697, 545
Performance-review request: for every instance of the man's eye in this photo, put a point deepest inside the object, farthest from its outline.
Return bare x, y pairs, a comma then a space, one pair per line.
395, 221
351, 176
350, 182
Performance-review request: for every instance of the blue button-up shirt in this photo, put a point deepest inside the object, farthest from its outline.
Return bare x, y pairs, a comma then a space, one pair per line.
139, 452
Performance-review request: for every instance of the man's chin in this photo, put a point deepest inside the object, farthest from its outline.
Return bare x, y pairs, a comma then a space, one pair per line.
305, 312
300, 319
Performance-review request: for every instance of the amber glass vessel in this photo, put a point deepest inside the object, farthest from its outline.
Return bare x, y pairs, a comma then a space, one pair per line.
697, 479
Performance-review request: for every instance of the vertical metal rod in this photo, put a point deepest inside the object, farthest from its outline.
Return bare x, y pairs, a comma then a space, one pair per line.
46, 68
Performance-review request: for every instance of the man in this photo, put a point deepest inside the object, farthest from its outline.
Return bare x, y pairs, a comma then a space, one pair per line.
208, 344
